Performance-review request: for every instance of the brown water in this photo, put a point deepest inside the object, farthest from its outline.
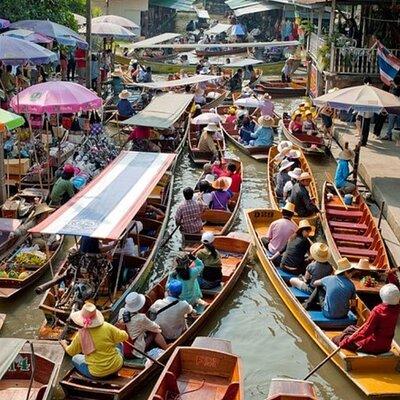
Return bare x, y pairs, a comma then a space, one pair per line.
262, 330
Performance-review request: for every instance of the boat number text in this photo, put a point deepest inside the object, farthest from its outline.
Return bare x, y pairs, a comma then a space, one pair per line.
20, 363
207, 362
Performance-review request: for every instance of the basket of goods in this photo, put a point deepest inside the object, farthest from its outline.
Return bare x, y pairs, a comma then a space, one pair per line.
369, 281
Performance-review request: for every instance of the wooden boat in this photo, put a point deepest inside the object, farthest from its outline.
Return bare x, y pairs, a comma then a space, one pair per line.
44, 366
208, 368
218, 97
375, 375
2, 319
219, 53
277, 89
234, 253
352, 233
271, 171
286, 389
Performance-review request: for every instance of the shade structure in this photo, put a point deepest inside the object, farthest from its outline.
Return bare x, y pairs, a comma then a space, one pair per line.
164, 37
61, 33
256, 8
244, 62
109, 30
105, 207
207, 118
362, 98
10, 347
4, 23
191, 80
248, 102
28, 35
201, 13
17, 51
55, 97
116, 19
80, 20
218, 29
10, 120
162, 112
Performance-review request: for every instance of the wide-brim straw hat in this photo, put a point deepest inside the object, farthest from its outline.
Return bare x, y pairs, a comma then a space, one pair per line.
297, 113
346, 154
305, 176
320, 252
265, 121
211, 127
285, 144
41, 209
293, 153
134, 302
296, 173
124, 94
285, 165
308, 112
289, 207
222, 183
363, 264
390, 294
343, 265
305, 224
90, 313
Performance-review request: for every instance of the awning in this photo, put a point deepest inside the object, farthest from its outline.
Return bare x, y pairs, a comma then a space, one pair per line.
218, 29
105, 207
165, 37
243, 63
10, 347
162, 112
178, 5
202, 13
9, 224
255, 9
234, 4
176, 82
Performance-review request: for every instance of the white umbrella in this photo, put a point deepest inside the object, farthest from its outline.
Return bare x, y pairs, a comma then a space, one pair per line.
249, 102
80, 20
109, 30
206, 118
116, 19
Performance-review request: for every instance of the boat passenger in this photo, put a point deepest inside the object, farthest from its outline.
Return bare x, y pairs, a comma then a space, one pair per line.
267, 106
199, 97
236, 177
204, 195
282, 177
287, 70
284, 148
219, 168
187, 274
97, 340
294, 178
296, 124
188, 214
172, 320
279, 233
152, 212
124, 107
90, 245
231, 118
326, 114
211, 276
206, 142
264, 134
317, 269
294, 155
140, 137
252, 74
141, 330
221, 195
300, 197
197, 108
309, 126
63, 189
145, 75
246, 130
297, 249
343, 171
375, 336
236, 82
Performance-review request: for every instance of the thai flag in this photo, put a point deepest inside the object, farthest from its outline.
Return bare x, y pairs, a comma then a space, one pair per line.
389, 65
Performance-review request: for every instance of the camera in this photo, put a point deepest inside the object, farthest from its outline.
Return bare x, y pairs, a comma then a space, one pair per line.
126, 316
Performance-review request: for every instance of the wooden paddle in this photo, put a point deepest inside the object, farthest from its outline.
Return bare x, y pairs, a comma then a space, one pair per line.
146, 355
322, 363
169, 237
330, 180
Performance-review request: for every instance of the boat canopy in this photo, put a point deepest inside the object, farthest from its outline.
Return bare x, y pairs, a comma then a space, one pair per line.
9, 224
191, 80
202, 13
165, 37
105, 207
256, 8
218, 29
162, 112
10, 347
243, 62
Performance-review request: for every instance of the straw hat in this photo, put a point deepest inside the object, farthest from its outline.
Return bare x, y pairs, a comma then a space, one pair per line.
390, 294
289, 207
134, 302
297, 113
211, 127
222, 183
232, 110
294, 153
90, 313
296, 173
285, 144
304, 224
285, 165
41, 209
363, 264
346, 154
124, 94
207, 238
320, 252
265, 121
305, 176
308, 112
343, 265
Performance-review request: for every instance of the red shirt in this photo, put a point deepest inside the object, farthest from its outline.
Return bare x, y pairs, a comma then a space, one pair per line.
140, 132
377, 333
80, 57
236, 181
219, 170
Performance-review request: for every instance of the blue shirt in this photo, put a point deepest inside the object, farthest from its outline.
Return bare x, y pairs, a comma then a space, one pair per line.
339, 291
342, 173
125, 108
263, 137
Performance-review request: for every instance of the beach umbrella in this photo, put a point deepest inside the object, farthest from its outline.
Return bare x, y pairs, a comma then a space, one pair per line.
61, 33
28, 35
206, 118
237, 30
109, 30
249, 102
116, 19
17, 51
55, 97
10, 120
80, 20
4, 23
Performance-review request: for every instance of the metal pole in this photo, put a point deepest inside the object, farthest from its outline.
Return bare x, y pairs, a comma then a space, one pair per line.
2, 177
89, 40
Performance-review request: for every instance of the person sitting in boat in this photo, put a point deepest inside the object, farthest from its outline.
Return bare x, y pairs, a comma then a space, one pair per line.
339, 290
300, 197
211, 276
97, 340
267, 107
206, 142
317, 269
294, 155
376, 334
171, 312
279, 233
295, 255
204, 195
234, 174
296, 124
231, 118
219, 168
264, 134
287, 70
294, 178
124, 106
282, 177
90, 245
187, 269
152, 212
188, 214
221, 195
309, 126
343, 171
236, 82
283, 148
140, 138
199, 97
63, 189
145, 75
141, 330
246, 130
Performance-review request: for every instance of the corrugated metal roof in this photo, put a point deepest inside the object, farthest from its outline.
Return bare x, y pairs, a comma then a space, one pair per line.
234, 4
178, 5
255, 9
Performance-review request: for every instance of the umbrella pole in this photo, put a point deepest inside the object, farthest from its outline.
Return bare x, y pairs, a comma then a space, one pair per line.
2, 175
48, 153
35, 156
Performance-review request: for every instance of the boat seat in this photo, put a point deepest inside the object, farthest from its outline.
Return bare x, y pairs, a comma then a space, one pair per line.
348, 214
343, 237
285, 275
299, 294
357, 252
332, 323
348, 225
138, 363
213, 291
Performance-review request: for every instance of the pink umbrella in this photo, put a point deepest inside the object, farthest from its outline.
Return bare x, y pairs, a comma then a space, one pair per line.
55, 97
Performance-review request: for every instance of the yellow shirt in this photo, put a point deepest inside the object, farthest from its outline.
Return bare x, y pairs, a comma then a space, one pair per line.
105, 360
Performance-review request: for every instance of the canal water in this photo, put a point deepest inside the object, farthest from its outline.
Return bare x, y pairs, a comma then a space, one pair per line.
262, 330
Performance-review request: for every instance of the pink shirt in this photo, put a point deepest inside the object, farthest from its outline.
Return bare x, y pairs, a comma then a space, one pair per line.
279, 233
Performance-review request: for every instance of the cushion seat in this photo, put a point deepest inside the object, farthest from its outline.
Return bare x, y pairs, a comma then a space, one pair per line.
285, 275
299, 294
332, 323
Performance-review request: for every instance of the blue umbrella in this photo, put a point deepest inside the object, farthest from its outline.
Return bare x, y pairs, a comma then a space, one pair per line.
4, 23
17, 51
237, 30
61, 33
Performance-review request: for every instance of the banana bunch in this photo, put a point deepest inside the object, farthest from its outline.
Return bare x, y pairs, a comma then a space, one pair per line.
29, 259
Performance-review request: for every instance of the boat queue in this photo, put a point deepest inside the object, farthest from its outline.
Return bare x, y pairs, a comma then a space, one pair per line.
113, 205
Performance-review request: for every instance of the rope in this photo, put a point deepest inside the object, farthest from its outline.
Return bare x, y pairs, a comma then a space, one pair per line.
179, 395
32, 371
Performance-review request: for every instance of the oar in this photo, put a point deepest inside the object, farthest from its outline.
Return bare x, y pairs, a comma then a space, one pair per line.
169, 236
322, 363
146, 355
330, 180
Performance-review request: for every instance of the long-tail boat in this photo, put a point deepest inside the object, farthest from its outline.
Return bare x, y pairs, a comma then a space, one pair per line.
374, 375
291, 389
234, 253
277, 89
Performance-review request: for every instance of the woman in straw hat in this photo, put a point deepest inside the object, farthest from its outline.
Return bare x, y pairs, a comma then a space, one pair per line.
376, 334
316, 270
264, 135
309, 126
343, 171
294, 177
221, 195
296, 124
339, 290
294, 155
97, 341
301, 198
282, 177
231, 118
297, 249
206, 142
124, 107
